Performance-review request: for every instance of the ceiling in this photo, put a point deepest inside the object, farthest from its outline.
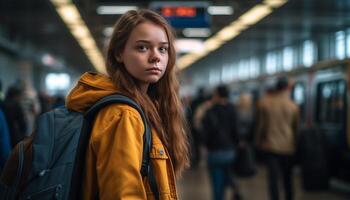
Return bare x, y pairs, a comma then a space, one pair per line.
38, 22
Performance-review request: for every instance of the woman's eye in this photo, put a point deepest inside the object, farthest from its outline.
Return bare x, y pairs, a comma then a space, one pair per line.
163, 49
142, 48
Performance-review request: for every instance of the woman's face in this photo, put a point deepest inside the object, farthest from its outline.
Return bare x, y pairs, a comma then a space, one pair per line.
145, 55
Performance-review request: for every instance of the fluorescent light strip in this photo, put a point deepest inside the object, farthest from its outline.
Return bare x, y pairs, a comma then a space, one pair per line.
71, 17
220, 10
275, 3
196, 32
114, 10
231, 31
255, 14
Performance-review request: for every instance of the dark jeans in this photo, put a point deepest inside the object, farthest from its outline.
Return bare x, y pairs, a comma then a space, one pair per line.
283, 164
219, 165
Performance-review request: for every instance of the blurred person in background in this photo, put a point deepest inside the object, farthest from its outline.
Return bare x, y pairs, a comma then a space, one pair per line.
277, 124
195, 133
30, 104
221, 138
245, 117
45, 102
5, 144
59, 101
14, 114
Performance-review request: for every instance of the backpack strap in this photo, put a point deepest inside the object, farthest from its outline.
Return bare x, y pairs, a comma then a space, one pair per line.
147, 137
14, 188
85, 136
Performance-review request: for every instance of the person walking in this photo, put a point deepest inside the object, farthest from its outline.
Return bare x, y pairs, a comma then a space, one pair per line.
15, 114
277, 125
221, 138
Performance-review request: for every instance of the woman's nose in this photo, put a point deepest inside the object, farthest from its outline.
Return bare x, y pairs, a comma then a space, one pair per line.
154, 57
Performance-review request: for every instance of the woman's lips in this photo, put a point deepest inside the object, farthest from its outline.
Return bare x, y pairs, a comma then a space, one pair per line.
154, 70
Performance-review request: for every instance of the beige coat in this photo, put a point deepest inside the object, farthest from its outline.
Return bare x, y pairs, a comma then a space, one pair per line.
278, 118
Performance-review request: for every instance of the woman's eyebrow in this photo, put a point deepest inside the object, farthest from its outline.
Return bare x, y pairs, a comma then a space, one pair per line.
146, 41
164, 43
143, 41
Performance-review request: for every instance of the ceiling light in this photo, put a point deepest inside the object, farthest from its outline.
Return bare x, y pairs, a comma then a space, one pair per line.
255, 14
275, 3
108, 31
185, 60
220, 10
248, 19
239, 25
80, 31
58, 2
196, 32
69, 14
87, 43
212, 44
114, 10
71, 17
189, 45
228, 33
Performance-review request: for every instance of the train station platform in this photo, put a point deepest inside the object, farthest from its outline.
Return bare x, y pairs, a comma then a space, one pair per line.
195, 184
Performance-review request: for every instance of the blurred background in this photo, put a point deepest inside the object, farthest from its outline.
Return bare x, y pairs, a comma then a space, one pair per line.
247, 45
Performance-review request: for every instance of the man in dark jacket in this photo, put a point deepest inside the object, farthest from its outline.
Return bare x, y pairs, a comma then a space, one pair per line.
220, 132
14, 114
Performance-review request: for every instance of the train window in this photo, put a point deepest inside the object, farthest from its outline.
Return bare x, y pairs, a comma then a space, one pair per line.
254, 67
214, 77
348, 42
271, 63
57, 82
299, 97
287, 58
227, 74
309, 53
331, 97
340, 44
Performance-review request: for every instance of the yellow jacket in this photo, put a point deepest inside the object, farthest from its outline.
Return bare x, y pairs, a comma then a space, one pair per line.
114, 154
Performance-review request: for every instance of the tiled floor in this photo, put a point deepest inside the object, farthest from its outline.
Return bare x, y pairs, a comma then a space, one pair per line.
195, 185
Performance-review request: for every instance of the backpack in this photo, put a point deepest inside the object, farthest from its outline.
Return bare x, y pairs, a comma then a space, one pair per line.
49, 164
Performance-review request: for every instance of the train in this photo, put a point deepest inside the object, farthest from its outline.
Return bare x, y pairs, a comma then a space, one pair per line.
322, 93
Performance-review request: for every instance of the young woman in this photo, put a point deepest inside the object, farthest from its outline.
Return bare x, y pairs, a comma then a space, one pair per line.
141, 65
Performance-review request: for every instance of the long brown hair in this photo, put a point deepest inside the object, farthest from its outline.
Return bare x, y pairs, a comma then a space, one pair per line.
162, 104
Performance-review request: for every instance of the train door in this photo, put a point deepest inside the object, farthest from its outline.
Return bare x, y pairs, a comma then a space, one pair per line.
330, 114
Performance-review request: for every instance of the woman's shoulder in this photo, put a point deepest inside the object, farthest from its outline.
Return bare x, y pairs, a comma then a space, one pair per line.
118, 109
111, 116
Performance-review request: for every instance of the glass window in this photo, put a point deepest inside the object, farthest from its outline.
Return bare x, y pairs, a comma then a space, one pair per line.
331, 100
340, 44
226, 74
348, 43
234, 71
299, 97
254, 67
243, 70
271, 63
309, 52
57, 82
214, 77
287, 58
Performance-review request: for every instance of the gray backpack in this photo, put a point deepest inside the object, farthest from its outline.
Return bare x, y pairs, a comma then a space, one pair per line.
49, 164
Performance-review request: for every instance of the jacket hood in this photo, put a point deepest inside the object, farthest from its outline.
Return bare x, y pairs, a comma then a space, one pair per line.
90, 88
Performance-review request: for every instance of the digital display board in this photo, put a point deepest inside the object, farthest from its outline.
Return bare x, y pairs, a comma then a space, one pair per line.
184, 14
